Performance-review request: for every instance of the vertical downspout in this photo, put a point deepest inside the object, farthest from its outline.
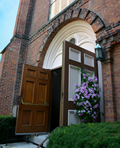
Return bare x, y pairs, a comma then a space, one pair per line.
100, 79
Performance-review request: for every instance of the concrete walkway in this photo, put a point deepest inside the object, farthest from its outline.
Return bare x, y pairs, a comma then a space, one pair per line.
35, 139
19, 145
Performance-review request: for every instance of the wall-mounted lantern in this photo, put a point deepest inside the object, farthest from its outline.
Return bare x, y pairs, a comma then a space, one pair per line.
99, 53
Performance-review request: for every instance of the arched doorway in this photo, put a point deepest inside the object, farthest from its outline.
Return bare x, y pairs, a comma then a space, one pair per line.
82, 34
81, 31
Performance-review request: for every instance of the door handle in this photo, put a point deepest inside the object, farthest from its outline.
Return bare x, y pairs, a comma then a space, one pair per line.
22, 102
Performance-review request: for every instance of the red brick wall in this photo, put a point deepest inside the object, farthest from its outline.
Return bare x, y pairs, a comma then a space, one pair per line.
33, 51
108, 89
8, 74
116, 66
41, 14
111, 84
108, 10
21, 17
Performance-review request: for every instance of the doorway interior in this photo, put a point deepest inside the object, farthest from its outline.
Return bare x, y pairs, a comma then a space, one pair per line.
56, 94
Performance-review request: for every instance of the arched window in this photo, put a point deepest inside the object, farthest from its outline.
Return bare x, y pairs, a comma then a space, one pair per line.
57, 6
72, 41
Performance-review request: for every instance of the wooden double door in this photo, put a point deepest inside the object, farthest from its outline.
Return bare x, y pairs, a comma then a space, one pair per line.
39, 105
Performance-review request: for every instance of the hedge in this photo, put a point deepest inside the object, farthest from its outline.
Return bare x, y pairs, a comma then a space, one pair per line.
90, 135
7, 129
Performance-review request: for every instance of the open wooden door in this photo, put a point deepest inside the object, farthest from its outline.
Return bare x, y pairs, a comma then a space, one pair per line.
73, 57
33, 109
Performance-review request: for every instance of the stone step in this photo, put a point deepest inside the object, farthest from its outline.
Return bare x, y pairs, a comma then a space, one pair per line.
39, 139
18, 145
33, 139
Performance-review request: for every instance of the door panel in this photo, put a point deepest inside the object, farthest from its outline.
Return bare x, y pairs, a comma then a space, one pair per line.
42, 93
34, 103
29, 92
74, 76
73, 57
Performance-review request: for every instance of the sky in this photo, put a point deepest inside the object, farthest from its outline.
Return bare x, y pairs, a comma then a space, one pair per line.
8, 13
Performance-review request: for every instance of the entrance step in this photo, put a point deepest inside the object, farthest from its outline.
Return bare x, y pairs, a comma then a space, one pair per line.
39, 139
33, 142
18, 145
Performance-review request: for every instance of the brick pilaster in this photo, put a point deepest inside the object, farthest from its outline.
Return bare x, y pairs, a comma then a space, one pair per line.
109, 99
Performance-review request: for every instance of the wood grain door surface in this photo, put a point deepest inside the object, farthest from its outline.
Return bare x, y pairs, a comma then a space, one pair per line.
33, 109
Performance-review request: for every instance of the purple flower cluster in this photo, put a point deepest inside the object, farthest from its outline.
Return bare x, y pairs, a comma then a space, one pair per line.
87, 98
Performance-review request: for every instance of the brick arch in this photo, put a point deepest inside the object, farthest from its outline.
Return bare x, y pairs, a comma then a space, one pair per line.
59, 22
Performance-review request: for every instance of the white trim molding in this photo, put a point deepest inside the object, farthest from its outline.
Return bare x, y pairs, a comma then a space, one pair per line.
83, 34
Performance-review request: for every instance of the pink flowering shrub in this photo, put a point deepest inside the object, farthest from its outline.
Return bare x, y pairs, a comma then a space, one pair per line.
87, 98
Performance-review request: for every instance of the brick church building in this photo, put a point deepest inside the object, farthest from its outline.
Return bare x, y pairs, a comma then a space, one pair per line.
38, 69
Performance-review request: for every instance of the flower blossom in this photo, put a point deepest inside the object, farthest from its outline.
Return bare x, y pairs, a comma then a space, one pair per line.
88, 112
75, 111
86, 98
95, 106
95, 101
76, 90
82, 120
93, 95
80, 103
83, 75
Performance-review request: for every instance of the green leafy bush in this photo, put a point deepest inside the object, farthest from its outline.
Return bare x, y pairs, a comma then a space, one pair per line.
7, 129
90, 135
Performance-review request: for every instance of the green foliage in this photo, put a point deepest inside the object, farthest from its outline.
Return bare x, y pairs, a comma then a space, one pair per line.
7, 128
90, 135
